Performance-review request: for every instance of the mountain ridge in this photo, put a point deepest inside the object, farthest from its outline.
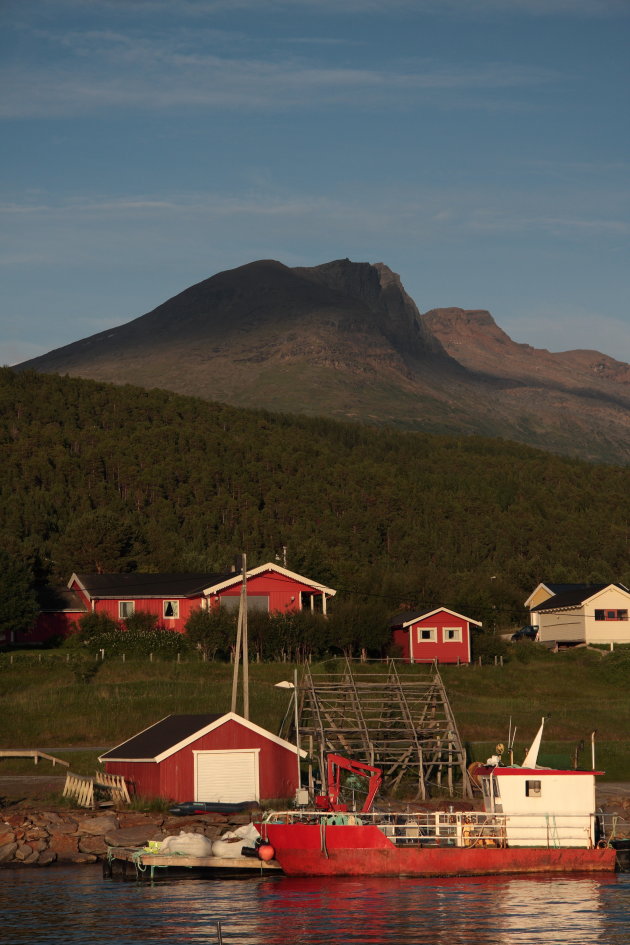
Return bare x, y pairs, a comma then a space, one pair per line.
344, 339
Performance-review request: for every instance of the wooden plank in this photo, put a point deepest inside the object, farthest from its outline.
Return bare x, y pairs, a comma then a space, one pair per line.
33, 753
193, 862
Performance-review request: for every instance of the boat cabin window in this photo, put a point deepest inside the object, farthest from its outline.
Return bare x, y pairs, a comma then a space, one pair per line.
533, 789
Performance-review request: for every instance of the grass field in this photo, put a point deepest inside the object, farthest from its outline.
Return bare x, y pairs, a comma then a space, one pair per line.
53, 700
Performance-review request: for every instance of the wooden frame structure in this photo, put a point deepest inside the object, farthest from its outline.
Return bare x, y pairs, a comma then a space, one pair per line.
398, 718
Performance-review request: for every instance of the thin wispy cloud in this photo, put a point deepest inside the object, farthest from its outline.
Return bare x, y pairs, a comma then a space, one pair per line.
154, 76
434, 214
196, 9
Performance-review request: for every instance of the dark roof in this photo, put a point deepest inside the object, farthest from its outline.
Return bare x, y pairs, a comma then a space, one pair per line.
160, 737
573, 597
561, 588
136, 585
59, 599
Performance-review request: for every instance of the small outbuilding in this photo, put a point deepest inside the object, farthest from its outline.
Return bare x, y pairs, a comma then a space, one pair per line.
212, 758
441, 635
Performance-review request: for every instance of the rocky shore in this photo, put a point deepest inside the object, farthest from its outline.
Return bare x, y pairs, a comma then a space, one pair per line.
44, 837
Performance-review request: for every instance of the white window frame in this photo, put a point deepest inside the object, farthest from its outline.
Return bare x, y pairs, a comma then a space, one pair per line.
430, 639
175, 614
122, 605
455, 639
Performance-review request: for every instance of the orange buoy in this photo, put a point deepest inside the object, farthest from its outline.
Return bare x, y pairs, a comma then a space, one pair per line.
266, 852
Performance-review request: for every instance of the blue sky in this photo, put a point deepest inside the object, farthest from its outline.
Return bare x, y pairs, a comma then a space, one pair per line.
477, 147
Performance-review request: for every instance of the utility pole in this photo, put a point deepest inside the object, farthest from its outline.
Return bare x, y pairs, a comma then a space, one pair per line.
243, 608
241, 643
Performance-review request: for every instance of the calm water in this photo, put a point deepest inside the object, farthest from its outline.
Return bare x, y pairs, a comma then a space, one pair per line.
76, 905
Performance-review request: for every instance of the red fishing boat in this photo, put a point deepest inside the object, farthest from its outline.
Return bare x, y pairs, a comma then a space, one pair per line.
535, 820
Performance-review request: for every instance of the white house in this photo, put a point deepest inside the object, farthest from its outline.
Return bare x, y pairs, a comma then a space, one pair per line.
580, 613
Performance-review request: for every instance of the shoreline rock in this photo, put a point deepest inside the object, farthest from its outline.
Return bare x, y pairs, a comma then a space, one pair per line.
44, 837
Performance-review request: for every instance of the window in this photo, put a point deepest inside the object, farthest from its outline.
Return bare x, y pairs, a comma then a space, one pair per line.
611, 615
125, 609
427, 634
170, 609
452, 634
533, 789
254, 603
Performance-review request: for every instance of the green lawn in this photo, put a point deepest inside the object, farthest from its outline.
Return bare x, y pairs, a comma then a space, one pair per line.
54, 704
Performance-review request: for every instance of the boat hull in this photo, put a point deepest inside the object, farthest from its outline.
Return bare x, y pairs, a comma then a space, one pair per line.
317, 850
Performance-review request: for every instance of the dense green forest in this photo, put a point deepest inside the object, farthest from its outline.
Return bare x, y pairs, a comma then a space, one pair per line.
96, 477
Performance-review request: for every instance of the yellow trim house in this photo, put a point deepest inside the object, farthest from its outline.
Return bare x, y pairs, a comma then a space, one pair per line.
581, 613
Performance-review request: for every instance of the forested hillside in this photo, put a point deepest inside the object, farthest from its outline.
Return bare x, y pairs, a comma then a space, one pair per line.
98, 477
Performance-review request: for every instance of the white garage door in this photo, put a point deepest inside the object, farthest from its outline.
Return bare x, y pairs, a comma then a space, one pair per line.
226, 777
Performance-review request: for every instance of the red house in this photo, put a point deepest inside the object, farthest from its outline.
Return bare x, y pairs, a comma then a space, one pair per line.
172, 597
59, 611
213, 758
440, 635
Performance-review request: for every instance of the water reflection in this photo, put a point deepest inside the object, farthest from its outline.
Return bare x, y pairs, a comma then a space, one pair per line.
76, 906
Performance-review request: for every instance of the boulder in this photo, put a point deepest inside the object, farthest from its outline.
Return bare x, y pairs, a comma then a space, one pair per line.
62, 828
92, 845
23, 852
136, 818
83, 858
133, 836
63, 845
46, 858
7, 851
98, 825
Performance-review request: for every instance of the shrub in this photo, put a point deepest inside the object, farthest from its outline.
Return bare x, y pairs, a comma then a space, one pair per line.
488, 645
211, 631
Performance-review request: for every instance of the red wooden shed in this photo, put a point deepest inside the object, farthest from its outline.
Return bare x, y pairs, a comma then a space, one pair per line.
213, 758
440, 635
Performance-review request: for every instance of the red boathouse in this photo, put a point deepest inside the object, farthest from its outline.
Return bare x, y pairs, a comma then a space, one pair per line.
213, 758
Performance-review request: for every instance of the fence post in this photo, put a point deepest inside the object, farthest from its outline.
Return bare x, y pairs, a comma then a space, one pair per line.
150, 657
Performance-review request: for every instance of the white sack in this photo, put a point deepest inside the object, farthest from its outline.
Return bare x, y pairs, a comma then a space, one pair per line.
188, 844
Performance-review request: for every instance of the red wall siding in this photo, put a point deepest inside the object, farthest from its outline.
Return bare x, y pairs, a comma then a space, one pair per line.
143, 778
283, 592
440, 650
174, 778
50, 625
153, 605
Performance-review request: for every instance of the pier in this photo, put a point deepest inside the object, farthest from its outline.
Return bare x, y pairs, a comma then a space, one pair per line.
122, 863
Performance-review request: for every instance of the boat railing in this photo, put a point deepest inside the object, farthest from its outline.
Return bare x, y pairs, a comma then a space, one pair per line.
460, 829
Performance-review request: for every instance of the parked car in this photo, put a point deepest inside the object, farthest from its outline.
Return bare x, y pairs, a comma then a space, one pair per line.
526, 633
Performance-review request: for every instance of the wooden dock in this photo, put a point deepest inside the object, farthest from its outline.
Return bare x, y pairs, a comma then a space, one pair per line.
135, 864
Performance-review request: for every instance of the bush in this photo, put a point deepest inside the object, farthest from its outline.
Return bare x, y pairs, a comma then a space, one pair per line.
211, 631
141, 637
487, 645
